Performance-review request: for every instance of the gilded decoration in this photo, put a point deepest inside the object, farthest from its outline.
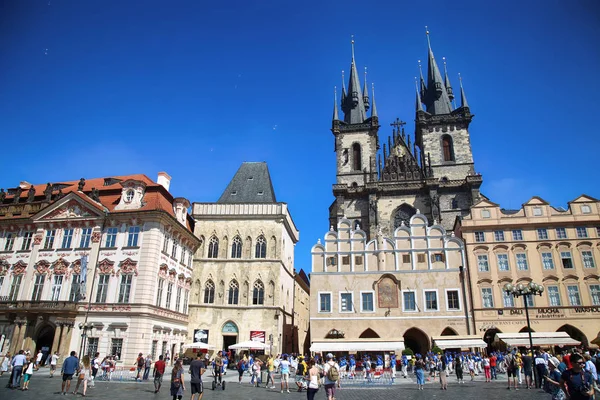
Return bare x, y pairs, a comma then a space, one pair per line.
128, 267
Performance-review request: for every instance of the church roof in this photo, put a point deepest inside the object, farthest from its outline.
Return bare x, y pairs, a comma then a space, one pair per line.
250, 184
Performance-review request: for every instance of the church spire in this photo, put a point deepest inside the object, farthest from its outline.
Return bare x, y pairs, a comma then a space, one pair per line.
353, 104
447, 81
366, 92
335, 108
418, 103
374, 109
463, 98
436, 97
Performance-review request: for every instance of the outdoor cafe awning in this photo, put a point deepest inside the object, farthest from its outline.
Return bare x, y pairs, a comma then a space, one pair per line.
458, 342
539, 339
357, 345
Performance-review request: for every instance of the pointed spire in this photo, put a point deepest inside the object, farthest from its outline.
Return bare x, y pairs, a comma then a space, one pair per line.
463, 97
422, 88
343, 88
365, 92
353, 104
418, 103
374, 108
335, 108
447, 81
436, 98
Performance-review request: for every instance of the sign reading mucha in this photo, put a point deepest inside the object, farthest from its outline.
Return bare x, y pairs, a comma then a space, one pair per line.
387, 293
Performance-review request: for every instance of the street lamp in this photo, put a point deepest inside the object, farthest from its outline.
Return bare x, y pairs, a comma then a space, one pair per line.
84, 327
532, 289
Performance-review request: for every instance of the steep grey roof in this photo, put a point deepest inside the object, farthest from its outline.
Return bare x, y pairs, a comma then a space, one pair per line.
250, 184
353, 104
436, 96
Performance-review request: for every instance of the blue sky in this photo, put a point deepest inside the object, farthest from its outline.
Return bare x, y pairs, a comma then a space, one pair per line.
195, 88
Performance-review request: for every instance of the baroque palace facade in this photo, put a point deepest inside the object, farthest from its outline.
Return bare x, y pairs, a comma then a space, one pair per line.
101, 265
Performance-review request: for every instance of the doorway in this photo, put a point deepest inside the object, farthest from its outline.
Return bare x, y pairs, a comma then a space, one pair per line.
228, 340
416, 340
45, 338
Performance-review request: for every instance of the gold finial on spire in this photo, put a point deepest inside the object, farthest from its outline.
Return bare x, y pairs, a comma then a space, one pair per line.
427, 34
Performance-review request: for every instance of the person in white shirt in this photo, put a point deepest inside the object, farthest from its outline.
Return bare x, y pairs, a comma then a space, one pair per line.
38, 359
53, 361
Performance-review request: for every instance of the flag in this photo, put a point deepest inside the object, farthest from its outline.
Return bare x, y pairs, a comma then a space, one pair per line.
83, 276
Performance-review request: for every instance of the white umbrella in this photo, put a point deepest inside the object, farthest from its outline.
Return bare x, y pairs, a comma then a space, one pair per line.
249, 344
198, 345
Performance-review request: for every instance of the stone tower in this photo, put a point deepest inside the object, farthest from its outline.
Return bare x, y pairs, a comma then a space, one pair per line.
432, 172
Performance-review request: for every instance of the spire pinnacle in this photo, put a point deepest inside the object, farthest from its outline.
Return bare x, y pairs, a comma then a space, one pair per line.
418, 103
447, 81
427, 34
374, 108
354, 103
436, 97
422, 81
366, 92
343, 87
352, 44
463, 98
335, 108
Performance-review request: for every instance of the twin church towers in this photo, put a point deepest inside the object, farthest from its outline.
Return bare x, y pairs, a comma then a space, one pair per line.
380, 186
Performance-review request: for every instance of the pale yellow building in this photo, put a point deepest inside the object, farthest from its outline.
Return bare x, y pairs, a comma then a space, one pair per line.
390, 292
557, 248
244, 276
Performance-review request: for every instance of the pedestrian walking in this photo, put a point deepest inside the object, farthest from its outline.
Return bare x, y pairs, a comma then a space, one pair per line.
139, 363
553, 380
331, 372
420, 372
17, 363
177, 381
313, 380
511, 369
284, 369
527, 360
159, 371
69, 367
458, 368
147, 366
441, 366
53, 362
270, 372
301, 370
197, 368
84, 374
5, 363
493, 365
27, 374
486, 368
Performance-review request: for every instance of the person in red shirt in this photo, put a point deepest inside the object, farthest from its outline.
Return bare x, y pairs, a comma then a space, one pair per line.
159, 371
567, 360
493, 365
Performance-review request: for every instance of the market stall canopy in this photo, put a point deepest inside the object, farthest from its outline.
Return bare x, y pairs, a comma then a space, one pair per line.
249, 344
357, 345
539, 339
198, 345
458, 342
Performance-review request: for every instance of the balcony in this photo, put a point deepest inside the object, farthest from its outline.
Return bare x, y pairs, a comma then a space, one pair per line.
59, 307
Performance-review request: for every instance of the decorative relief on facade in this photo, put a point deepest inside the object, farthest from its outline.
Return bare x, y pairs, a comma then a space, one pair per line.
107, 253
37, 239
132, 195
106, 267
42, 267
387, 292
4, 266
188, 283
76, 266
19, 268
96, 236
162, 270
172, 274
70, 210
128, 267
60, 267
130, 253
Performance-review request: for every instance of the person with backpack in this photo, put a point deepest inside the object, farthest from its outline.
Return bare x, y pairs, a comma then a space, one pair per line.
331, 370
511, 369
139, 362
241, 367
301, 370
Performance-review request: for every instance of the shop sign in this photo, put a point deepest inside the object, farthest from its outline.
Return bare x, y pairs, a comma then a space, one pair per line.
230, 327
257, 336
581, 310
201, 335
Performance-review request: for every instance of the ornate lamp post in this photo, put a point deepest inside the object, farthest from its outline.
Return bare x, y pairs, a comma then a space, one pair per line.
532, 289
84, 327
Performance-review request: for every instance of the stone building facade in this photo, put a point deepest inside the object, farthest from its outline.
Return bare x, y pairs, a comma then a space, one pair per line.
388, 292
99, 265
554, 247
244, 275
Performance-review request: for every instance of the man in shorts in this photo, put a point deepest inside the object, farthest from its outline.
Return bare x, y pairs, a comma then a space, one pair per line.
69, 367
511, 369
197, 368
218, 369
53, 362
159, 371
38, 360
330, 380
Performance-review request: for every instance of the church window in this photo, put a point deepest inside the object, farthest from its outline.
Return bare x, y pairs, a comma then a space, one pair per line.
448, 148
236, 247
258, 293
209, 292
404, 213
261, 248
234, 292
213, 247
356, 157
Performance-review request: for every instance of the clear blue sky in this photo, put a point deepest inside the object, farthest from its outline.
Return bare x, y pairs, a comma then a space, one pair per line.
195, 88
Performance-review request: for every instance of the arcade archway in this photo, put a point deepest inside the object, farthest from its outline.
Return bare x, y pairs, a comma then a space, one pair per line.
417, 340
44, 340
489, 336
449, 332
575, 334
369, 334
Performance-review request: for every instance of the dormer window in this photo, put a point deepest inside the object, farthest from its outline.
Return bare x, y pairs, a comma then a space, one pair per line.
129, 196
234, 193
132, 195
250, 178
261, 193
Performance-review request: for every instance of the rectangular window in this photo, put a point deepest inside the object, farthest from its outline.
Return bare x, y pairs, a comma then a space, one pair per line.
346, 302
15, 287
431, 303
567, 261
358, 260
165, 248
178, 299
521, 262
595, 294
537, 211
174, 249
561, 233
92, 346
182, 256
598, 231
132, 236
57, 282
111, 237
420, 258
582, 232
406, 258
437, 257
499, 236
49, 241
102, 288
508, 299
153, 350
480, 236
487, 297
366, 302
27, 238
588, 259
547, 260
185, 301
345, 260
38, 287
324, 302
530, 301
542, 234
10, 241
409, 301
74, 295
452, 300
125, 288
517, 234
503, 262
86, 236
553, 296
159, 292
67, 238
482, 263
169, 295
573, 293
116, 347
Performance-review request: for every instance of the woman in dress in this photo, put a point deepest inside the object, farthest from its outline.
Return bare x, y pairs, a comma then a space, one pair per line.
420, 373
177, 383
5, 363
441, 367
84, 374
487, 369
313, 380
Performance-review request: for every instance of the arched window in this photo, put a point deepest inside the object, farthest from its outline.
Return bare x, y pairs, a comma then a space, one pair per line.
448, 148
261, 248
258, 294
234, 292
236, 247
209, 292
356, 160
213, 247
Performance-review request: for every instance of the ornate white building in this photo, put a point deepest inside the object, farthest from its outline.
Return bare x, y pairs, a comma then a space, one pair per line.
101, 264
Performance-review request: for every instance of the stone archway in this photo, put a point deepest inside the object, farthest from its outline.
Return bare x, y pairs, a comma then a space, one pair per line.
417, 340
44, 340
575, 334
449, 332
369, 334
489, 337
525, 330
